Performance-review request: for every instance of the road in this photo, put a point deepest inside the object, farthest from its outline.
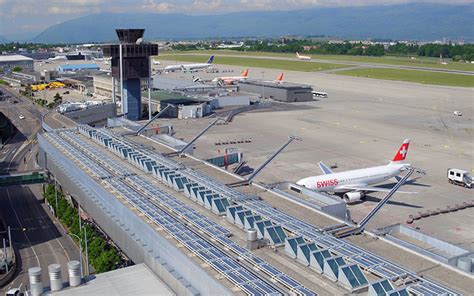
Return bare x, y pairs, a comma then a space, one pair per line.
40, 241
349, 63
35, 233
16, 148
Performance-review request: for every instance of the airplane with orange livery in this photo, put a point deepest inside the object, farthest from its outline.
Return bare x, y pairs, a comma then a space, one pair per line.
229, 80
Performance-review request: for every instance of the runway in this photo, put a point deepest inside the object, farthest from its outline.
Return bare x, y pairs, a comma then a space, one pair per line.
349, 63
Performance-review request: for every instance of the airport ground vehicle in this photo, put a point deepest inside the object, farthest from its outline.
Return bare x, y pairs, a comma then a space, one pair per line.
319, 94
13, 292
460, 177
21, 116
457, 113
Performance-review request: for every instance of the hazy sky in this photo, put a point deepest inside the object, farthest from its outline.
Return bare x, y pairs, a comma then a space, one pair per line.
21, 19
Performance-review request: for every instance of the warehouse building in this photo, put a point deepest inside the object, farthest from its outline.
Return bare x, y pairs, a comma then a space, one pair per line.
8, 62
279, 91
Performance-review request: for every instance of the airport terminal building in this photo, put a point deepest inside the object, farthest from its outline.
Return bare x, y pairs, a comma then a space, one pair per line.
279, 91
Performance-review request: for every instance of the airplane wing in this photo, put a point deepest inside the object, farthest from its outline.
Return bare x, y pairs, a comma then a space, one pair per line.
324, 168
372, 188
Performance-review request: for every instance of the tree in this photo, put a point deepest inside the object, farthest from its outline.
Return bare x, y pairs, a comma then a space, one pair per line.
58, 100
17, 69
28, 90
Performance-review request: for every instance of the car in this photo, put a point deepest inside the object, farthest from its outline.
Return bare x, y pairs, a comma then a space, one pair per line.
457, 113
21, 116
13, 292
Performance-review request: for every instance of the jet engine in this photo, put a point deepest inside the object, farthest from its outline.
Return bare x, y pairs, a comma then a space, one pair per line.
351, 197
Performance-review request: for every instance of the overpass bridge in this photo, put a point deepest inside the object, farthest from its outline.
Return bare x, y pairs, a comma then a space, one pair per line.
29, 177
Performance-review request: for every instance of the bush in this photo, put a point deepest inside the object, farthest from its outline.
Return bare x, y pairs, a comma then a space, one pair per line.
102, 256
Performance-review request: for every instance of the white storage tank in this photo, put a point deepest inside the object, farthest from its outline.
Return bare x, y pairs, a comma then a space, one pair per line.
465, 264
56, 282
36, 285
74, 271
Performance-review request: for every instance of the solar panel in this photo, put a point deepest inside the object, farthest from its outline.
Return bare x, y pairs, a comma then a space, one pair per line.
205, 186
353, 276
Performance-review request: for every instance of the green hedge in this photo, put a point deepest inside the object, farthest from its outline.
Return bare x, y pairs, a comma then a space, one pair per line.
102, 256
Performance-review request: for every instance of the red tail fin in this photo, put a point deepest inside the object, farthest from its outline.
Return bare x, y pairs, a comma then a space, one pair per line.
402, 151
280, 77
245, 73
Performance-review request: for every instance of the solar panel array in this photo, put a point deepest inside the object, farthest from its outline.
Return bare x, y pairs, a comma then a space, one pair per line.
85, 162
269, 217
227, 266
138, 192
366, 260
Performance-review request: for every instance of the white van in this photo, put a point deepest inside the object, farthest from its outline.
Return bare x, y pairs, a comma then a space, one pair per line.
460, 177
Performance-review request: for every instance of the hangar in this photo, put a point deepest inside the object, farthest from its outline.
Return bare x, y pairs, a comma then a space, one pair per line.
279, 91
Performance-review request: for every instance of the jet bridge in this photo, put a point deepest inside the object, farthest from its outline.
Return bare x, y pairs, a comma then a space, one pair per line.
347, 230
183, 150
263, 165
153, 118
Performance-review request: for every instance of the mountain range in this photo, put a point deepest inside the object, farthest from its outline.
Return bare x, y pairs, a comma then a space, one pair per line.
422, 21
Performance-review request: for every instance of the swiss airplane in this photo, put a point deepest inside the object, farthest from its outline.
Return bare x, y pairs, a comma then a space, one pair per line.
232, 79
188, 67
355, 183
302, 57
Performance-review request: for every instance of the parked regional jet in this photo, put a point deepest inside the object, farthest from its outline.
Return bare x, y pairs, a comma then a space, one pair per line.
355, 183
188, 67
302, 57
232, 79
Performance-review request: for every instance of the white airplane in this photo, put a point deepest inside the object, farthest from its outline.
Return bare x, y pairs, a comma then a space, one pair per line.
355, 183
188, 67
302, 57
232, 79
155, 62
58, 58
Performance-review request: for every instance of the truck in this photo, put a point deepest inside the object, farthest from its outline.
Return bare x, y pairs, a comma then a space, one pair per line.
460, 177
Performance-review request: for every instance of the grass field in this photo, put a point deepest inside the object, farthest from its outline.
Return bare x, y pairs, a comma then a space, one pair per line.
426, 62
253, 62
425, 77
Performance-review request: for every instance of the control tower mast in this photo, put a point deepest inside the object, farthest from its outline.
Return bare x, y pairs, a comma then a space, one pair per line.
130, 64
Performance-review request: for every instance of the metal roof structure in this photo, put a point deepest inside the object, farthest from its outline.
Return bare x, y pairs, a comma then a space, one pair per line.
220, 253
274, 84
14, 58
133, 280
338, 259
78, 67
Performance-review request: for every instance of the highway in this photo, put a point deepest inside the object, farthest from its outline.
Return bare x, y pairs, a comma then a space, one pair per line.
349, 63
39, 239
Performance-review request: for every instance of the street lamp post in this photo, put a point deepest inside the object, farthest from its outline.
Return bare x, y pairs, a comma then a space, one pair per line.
80, 250
263, 85
56, 193
87, 253
85, 234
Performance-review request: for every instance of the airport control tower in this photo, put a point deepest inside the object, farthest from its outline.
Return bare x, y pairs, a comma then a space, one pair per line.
130, 64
